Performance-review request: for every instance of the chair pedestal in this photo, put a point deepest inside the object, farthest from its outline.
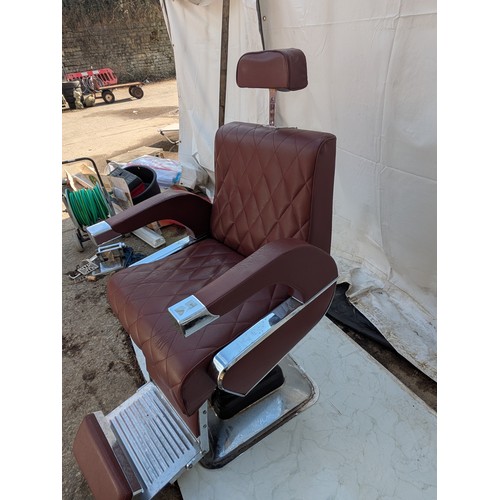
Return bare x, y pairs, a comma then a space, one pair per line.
229, 438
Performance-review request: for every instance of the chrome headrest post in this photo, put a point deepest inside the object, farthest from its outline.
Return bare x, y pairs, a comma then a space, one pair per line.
281, 70
272, 106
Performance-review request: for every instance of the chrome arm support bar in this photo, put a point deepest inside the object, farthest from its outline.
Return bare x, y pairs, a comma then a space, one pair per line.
251, 338
166, 251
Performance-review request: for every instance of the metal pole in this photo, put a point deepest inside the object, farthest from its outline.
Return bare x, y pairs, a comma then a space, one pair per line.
223, 61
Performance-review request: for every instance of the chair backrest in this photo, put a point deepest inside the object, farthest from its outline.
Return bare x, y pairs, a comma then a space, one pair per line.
272, 183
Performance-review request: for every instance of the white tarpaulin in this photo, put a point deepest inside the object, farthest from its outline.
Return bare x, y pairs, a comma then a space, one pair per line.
372, 83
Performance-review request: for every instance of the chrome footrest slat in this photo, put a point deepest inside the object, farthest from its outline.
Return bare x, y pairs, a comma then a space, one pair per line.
158, 444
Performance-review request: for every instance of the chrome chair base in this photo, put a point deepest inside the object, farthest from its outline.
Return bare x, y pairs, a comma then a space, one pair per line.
229, 438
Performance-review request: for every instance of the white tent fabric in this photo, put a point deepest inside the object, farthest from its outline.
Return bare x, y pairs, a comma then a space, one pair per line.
372, 83
195, 33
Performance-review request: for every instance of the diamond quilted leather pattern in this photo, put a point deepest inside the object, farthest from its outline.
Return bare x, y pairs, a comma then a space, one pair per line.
264, 183
139, 296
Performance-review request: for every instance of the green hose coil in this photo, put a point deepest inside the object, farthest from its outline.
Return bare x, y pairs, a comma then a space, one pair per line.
88, 205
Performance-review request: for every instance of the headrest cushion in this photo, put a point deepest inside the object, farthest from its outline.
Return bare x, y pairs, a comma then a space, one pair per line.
282, 69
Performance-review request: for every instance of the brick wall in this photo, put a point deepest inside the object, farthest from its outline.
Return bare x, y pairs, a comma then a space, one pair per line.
135, 45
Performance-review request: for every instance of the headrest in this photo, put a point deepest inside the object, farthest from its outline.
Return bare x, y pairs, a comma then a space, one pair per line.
282, 69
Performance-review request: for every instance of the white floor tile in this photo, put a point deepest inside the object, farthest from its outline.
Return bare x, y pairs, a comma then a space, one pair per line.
367, 437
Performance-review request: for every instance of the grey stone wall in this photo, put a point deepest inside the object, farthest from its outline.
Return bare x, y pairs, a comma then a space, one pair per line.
130, 38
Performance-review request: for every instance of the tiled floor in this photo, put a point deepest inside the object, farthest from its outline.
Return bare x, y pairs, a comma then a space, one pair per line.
367, 437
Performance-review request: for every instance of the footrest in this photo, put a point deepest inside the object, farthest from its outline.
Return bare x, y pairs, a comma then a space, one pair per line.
98, 462
136, 449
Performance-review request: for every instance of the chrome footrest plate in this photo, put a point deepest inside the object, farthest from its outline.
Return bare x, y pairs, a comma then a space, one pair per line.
158, 444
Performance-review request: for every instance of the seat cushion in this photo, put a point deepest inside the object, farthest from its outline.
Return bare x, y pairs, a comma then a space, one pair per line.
140, 295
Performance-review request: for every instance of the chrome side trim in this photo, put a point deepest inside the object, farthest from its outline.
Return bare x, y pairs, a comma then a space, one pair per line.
191, 315
251, 338
141, 360
101, 232
203, 423
166, 251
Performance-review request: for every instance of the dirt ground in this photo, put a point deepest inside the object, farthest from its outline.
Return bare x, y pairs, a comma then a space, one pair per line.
99, 370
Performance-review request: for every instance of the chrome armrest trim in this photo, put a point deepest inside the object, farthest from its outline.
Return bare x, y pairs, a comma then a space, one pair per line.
166, 251
101, 232
251, 338
191, 315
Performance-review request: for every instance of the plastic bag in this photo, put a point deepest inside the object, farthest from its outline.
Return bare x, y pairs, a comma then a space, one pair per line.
168, 172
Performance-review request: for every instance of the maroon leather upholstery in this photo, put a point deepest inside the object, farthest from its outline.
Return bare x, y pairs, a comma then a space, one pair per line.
187, 209
268, 265
140, 296
271, 184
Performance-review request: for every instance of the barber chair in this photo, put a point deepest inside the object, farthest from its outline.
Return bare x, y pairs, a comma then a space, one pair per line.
214, 316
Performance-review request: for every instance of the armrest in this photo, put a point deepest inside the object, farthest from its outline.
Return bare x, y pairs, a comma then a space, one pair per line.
305, 268
183, 207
